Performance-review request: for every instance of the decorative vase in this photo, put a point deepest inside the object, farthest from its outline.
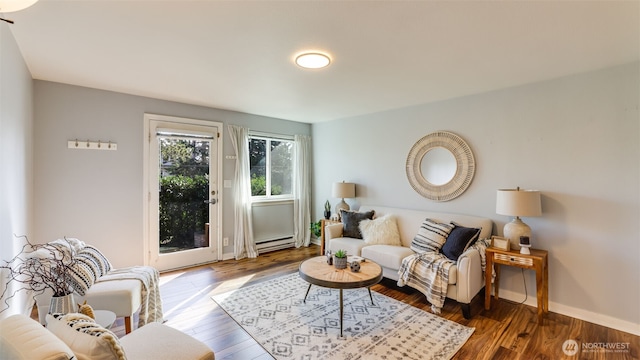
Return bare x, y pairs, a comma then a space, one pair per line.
327, 214
63, 304
340, 263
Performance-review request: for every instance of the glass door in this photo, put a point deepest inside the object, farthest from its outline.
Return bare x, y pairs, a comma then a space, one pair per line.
183, 194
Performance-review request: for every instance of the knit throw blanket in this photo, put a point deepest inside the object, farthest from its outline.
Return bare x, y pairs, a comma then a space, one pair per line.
429, 273
151, 303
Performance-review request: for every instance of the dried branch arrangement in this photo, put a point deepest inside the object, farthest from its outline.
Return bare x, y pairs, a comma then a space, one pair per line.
39, 267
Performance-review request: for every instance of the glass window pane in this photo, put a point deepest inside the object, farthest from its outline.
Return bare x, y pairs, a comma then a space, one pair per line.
258, 165
281, 167
183, 184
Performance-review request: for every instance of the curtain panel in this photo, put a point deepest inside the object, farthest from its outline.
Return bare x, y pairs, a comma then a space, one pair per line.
302, 191
244, 245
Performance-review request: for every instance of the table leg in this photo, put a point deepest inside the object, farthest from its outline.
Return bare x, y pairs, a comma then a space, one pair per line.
305, 295
487, 284
370, 296
540, 292
341, 313
496, 282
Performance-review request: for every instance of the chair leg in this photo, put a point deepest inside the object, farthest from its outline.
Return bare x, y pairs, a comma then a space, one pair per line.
127, 324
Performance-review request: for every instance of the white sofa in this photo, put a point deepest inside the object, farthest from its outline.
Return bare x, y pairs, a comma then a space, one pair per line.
466, 277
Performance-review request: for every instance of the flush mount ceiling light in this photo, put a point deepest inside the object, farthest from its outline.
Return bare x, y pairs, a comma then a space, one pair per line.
313, 60
15, 5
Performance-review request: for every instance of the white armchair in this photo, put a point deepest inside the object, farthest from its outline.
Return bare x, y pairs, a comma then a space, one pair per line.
122, 297
123, 291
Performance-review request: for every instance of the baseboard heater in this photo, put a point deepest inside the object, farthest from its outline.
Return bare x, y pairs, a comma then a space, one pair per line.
264, 246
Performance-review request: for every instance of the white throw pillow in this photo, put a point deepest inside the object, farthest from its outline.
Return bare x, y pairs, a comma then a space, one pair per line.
381, 231
87, 340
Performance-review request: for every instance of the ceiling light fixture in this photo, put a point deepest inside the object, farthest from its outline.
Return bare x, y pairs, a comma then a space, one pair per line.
15, 5
7, 6
313, 60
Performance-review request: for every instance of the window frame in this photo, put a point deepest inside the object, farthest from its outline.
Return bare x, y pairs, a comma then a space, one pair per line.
272, 137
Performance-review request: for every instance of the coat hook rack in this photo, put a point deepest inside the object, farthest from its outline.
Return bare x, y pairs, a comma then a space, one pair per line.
92, 145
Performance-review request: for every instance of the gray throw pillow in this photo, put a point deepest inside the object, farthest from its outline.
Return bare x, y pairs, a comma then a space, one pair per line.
351, 222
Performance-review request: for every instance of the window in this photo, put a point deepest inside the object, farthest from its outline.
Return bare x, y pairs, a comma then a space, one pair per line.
271, 162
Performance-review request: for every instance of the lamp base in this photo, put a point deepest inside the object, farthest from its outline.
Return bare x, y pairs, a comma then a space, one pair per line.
342, 205
514, 230
524, 249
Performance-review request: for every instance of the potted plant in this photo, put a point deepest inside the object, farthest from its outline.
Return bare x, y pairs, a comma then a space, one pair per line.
340, 259
315, 228
327, 210
40, 267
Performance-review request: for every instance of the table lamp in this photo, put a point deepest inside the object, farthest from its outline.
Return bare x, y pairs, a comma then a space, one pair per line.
516, 202
343, 190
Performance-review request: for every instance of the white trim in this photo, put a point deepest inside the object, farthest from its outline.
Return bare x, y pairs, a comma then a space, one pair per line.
585, 315
266, 135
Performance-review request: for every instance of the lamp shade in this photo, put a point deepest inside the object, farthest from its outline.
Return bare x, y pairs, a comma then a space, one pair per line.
15, 5
343, 190
516, 202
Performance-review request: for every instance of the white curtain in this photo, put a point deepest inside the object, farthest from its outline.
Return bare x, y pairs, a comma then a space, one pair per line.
302, 191
244, 246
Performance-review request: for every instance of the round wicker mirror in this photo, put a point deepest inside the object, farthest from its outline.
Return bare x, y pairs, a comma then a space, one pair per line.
419, 160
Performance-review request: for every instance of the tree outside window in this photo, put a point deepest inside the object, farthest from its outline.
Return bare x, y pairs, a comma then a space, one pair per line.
271, 162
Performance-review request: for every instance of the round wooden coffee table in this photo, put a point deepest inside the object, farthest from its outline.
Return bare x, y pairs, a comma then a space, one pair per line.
316, 271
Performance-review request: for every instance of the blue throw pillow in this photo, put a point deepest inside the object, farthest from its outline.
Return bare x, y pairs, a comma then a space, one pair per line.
459, 241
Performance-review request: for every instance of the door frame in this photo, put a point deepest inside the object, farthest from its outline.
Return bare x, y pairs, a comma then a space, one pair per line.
146, 193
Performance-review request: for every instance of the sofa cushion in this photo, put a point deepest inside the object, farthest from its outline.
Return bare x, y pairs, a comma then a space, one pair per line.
351, 222
382, 230
459, 240
24, 338
388, 256
350, 245
88, 340
157, 341
431, 236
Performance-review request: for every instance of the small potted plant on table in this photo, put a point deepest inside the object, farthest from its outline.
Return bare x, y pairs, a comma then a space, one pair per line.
340, 259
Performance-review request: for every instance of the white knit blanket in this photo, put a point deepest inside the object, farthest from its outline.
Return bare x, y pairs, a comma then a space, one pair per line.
429, 273
151, 302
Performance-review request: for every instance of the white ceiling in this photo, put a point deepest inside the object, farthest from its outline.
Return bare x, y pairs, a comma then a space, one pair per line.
238, 55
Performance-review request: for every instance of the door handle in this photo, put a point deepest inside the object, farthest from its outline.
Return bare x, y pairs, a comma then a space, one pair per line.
212, 201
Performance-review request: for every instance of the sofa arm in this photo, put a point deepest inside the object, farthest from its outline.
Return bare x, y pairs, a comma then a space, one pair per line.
23, 338
332, 231
470, 277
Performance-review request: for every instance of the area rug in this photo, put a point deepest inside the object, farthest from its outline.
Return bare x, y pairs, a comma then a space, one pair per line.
273, 313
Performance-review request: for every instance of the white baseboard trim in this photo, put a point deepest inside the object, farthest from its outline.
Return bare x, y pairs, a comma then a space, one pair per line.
585, 315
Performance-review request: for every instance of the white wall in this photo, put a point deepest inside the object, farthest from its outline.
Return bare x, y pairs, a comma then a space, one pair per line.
16, 155
97, 195
576, 139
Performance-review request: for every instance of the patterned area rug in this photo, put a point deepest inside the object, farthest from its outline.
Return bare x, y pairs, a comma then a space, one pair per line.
275, 316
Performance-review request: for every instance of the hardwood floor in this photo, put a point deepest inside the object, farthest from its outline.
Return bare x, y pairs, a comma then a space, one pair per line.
508, 331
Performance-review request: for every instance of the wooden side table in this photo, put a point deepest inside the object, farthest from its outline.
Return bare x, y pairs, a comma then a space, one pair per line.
538, 261
323, 223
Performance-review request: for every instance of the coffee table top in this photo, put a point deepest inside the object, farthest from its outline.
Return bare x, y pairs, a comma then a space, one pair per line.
316, 271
